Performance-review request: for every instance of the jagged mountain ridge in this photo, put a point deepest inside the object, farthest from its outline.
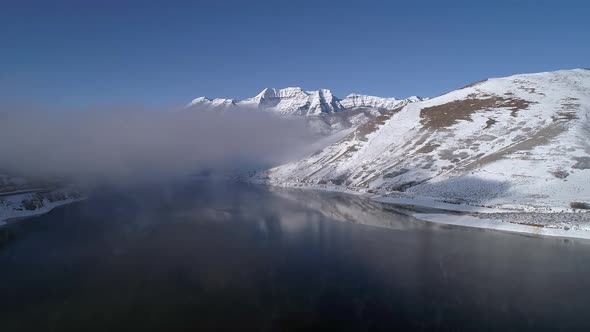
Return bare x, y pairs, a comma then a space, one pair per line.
522, 140
296, 101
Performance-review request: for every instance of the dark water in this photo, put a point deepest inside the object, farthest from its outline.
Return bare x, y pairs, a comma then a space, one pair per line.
237, 257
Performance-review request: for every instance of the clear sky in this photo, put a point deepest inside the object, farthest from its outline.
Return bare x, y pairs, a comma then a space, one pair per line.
74, 54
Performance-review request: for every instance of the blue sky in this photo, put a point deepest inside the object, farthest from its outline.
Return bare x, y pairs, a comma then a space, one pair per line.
76, 54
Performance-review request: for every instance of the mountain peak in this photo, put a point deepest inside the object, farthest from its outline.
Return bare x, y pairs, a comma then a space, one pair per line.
266, 93
200, 100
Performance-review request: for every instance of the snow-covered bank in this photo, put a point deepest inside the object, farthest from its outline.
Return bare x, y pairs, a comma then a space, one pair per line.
568, 223
16, 206
499, 225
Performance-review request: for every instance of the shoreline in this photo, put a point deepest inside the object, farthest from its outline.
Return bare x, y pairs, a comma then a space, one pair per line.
421, 208
502, 226
466, 215
17, 215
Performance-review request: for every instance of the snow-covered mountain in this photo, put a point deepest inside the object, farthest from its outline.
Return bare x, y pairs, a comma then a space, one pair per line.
296, 101
363, 101
516, 142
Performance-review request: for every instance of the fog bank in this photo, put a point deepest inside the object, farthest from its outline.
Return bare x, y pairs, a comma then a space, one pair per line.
131, 143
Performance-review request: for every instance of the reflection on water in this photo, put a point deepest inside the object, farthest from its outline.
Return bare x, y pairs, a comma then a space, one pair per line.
214, 256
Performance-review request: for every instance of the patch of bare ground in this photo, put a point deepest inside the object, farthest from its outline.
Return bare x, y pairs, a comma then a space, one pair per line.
446, 115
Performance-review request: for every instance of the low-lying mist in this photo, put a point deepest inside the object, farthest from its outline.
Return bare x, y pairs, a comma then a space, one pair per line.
132, 144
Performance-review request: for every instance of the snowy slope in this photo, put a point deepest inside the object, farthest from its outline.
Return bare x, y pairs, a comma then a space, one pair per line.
296, 101
520, 142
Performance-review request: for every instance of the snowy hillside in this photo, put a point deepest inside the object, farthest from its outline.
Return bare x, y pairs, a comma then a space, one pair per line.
520, 142
296, 101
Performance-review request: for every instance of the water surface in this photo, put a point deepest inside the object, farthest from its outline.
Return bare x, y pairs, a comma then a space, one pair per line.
220, 256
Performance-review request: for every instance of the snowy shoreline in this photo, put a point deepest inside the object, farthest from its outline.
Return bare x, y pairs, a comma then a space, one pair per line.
486, 218
12, 209
551, 224
466, 215
499, 225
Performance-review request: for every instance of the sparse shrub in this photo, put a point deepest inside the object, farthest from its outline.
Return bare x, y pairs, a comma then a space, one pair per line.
580, 205
33, 203
560, 174
337, 181
57, 196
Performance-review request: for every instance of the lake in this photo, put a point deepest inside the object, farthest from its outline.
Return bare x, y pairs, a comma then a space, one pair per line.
226, 256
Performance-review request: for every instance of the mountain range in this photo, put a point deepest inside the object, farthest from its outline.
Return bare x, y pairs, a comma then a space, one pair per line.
296, 101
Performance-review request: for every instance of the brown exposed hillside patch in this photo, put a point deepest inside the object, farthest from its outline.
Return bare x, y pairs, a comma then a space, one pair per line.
448, 114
